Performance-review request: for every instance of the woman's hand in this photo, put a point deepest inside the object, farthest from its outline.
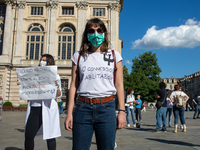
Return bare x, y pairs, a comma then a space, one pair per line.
58, 83
121, 119
69, 122
18, 82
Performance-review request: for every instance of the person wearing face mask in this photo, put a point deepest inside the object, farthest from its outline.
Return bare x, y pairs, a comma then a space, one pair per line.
97, 75
42, 115
138, 103
129, 108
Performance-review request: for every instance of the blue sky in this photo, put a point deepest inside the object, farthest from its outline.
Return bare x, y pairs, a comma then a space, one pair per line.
169, 28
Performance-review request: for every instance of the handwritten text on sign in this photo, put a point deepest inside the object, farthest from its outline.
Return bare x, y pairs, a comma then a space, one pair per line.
37, 82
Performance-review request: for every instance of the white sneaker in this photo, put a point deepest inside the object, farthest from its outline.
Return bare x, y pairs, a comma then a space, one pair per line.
115, 145
134, 125
128, 125
181, 126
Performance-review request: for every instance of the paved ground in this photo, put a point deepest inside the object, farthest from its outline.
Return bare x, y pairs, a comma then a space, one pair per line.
12, 135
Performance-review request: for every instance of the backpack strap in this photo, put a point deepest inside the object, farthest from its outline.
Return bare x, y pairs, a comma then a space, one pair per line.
77, 69
115, 68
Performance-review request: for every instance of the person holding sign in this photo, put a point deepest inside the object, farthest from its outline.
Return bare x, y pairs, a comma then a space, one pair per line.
95, 78
43, 115
179, 98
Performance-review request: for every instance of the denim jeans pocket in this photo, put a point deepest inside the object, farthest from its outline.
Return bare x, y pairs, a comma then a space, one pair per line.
109, 105
79, 104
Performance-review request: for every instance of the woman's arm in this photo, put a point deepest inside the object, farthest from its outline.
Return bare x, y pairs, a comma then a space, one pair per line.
187, 97
120, 94
72, 92
136, 102
58, 93
194, 101
172, 98
129, 101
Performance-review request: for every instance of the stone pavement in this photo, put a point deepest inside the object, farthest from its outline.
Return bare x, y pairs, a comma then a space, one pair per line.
12, 135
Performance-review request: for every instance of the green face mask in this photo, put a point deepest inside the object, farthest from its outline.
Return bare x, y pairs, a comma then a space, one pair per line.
96, 39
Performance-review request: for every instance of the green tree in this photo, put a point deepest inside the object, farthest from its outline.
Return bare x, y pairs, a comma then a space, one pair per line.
144, 76
126, 78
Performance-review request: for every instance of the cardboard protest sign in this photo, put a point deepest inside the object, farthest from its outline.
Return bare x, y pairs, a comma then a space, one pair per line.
37, 82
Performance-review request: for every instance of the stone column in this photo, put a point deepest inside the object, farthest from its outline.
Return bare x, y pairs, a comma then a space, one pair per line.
7, 39
52, 10
18, 45
82, 17
114, 25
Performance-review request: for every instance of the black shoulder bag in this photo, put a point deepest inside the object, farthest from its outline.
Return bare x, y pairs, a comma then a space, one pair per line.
159, 103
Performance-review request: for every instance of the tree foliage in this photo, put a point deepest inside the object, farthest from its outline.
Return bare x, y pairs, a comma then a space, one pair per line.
126, 78
144, 77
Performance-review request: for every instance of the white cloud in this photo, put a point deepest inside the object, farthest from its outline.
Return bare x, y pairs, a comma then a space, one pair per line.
185, 36
128, 62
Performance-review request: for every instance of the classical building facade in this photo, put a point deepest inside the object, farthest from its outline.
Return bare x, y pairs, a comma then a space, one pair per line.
30, 28
191, 84
170, 82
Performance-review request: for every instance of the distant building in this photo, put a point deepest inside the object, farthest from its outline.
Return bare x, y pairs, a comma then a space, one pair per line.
191, 84
30, 28
170, 82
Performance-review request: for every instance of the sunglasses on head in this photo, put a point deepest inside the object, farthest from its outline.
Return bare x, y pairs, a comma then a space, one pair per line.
91, 31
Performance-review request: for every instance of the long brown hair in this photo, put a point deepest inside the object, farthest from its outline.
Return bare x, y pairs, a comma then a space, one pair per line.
130, 90
176, 87
49, 59
85, 44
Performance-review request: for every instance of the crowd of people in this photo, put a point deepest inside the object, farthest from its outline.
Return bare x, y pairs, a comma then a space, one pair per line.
93, 110
170, 102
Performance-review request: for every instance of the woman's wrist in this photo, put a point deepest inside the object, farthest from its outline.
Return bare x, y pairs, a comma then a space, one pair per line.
121, 110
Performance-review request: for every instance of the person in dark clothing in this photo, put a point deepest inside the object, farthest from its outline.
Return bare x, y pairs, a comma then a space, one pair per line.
161, 112
197, 109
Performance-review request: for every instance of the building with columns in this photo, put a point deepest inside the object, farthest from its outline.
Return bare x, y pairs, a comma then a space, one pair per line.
30, 28
170, 82
191, 84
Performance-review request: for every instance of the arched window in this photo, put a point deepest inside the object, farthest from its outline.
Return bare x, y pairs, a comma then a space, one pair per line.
66, 42
35, 41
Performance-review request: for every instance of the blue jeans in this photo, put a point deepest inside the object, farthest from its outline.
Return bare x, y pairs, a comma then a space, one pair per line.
179, 112
170, 115
161, 114
196, 110
98, 118
61, 109
128, 110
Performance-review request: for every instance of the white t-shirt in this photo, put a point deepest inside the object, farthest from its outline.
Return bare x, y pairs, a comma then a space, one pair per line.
96, 74
179, 93
169, 103
130, 99
38, 103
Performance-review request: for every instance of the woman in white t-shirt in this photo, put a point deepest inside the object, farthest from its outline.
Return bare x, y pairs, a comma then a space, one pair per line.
93, 79
169, 109
42, 116
177, 110
129, 106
